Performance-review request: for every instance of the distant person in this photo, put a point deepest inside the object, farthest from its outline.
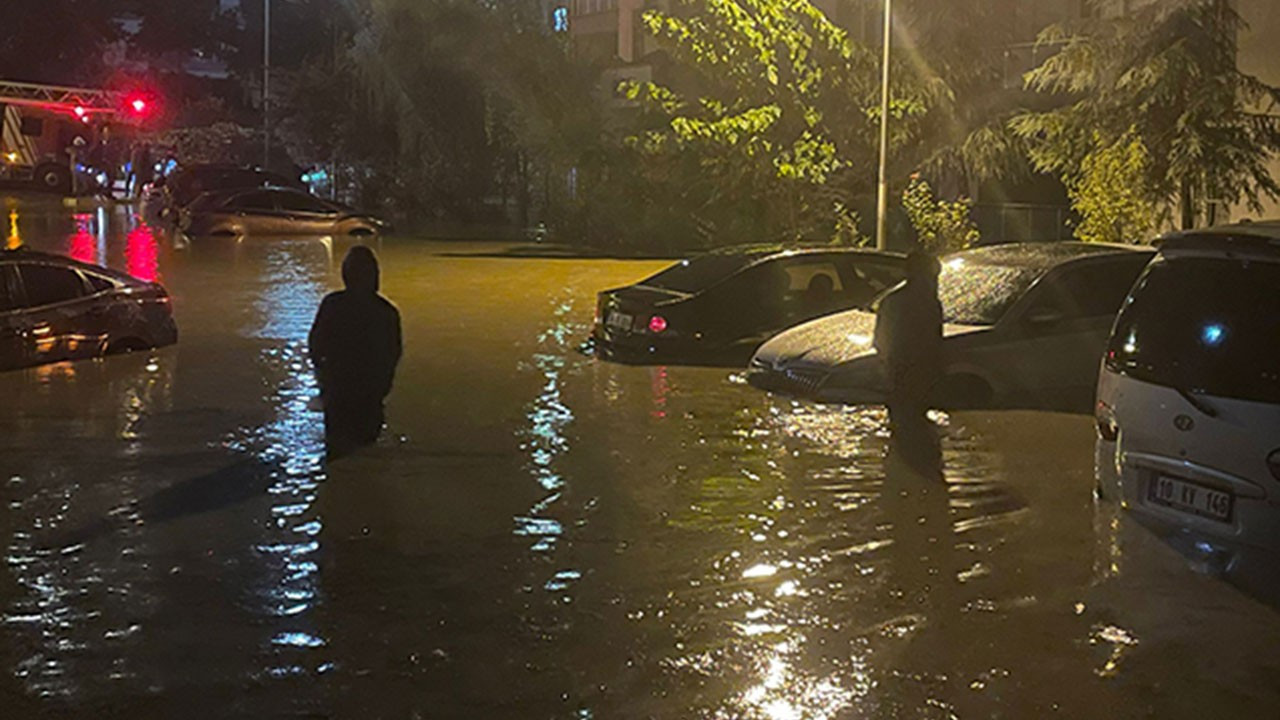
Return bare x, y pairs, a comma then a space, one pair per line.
354, 346
908, 337
140, 169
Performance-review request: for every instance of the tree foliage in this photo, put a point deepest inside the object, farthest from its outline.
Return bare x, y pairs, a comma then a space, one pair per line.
941, 226
774, 125
1163, 77
1111, 193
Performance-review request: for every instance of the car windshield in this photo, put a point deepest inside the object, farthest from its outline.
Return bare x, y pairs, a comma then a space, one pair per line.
1203, 325
695, 274
980, 294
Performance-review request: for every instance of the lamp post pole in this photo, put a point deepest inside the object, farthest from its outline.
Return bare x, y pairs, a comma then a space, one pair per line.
266, 83
882, 197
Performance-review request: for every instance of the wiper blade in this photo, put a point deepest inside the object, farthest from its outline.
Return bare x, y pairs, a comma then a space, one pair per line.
1197, 403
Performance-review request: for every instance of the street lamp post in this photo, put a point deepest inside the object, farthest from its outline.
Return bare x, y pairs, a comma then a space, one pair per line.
266, 83
882, 197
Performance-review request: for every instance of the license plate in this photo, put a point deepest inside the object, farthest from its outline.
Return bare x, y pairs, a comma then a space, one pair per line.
1190, 497
621, 321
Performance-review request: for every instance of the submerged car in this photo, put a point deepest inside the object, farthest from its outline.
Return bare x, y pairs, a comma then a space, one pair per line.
53, 308
1188, 405
716, 308
273, 211
1024, 326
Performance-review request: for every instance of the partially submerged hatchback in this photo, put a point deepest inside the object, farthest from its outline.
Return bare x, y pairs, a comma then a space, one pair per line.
716, 308
1024, 326
1188, 404
53, 308
273, 211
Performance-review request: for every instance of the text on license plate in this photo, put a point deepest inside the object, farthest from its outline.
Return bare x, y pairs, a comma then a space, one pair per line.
622, 321
1190, 497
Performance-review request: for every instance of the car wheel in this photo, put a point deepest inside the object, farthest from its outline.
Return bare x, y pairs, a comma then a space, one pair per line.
53, 178
963, 392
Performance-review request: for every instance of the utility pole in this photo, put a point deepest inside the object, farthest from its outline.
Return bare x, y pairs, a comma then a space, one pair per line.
882, 197
266, 83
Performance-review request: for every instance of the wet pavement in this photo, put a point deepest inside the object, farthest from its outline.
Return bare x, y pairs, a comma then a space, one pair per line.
542, 535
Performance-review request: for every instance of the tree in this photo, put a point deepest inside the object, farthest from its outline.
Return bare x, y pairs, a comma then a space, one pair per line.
775, 128
1162, 77
55, 41
1110, 191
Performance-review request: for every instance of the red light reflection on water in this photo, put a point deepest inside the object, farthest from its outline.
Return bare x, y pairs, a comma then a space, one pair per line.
140, 253
82, 245
660, 387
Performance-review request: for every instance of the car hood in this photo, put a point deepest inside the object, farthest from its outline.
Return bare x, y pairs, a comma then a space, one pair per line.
832, 340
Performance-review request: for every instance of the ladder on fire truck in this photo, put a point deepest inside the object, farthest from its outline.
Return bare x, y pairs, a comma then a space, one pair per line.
79, 101
86, 104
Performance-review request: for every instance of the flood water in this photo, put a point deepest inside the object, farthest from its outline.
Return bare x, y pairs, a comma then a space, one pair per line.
542, 535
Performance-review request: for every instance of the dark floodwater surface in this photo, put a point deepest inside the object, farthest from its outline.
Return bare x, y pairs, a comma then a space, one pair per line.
542, 535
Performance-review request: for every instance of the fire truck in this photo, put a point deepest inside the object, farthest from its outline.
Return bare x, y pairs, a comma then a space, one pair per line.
60, 139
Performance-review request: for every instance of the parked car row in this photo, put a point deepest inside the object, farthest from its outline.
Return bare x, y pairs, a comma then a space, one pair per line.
236, 200
1187, 336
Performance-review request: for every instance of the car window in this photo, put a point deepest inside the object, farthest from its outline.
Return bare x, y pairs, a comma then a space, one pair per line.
698, 273
259, 201
8, 289
980, 294
805, 275
1203, 325
301, 202
49, 284
97, 283
1091, 290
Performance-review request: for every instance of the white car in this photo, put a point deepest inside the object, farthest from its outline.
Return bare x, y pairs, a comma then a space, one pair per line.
1025, 324
1188, 404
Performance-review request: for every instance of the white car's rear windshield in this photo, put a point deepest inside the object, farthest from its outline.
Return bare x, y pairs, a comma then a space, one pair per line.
1202, 325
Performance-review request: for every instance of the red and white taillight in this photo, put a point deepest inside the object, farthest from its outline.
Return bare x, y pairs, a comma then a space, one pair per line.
657, 324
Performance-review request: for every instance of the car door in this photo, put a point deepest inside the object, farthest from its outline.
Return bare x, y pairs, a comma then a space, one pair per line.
14, 350
307, 215
1059, 329
60, 318
260, 213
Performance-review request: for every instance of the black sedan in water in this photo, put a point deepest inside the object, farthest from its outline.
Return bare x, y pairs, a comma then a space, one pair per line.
53, 308
188, 183
716, 308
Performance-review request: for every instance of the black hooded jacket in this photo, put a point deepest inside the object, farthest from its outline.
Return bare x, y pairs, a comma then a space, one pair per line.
355, 339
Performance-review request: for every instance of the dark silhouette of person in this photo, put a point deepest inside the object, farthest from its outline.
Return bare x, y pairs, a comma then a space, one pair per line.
354, 346
908, 337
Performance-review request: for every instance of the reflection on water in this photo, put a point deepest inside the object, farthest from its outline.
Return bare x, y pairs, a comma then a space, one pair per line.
291, 279
14, 240
667, 542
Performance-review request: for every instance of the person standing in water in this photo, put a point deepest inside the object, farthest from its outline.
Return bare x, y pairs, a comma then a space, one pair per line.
355, 345
908, 336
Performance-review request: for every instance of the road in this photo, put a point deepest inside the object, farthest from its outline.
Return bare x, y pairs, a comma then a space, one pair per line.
543, 535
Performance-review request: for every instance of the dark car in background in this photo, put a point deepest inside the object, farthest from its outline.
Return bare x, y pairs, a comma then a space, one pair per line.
273, 211
188, 183
53, 308
1024, 326
716, 308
